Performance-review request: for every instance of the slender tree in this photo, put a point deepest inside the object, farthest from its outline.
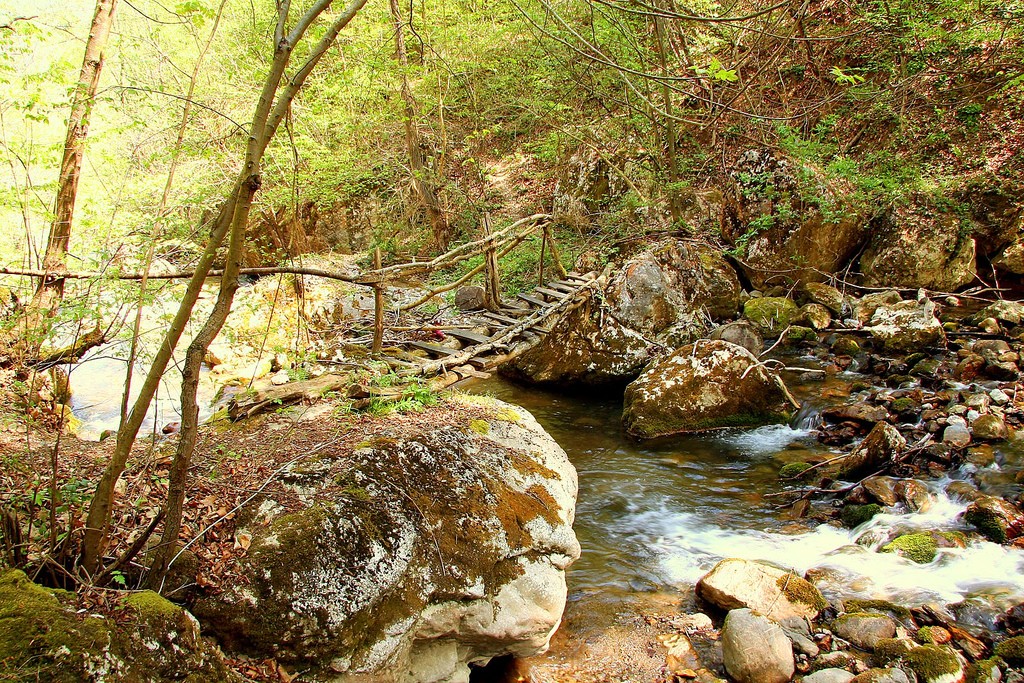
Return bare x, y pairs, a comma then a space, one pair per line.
421, 176
51, 287
273, 105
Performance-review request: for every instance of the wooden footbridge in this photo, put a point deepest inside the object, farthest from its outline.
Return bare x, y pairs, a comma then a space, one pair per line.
489, 336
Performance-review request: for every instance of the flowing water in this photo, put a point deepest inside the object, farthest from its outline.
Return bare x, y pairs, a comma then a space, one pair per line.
654, 517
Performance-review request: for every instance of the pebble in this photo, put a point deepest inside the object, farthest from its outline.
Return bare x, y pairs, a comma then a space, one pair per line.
956, 435
999, 397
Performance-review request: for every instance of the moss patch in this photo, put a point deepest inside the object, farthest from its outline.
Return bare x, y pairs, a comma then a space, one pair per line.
983, 671
801, 591
793, 470
891, 649
770, 313
480, 426
919, 548
1012, 651
855, 515
150, 605
931, 663
987, 522
882, 606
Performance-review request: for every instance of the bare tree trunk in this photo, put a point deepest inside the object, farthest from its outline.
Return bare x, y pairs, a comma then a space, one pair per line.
51, 288
420, 173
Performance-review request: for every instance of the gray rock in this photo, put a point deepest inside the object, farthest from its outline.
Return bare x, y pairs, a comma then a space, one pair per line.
708, 385
801, 643
825, 295
755, 649
742, 333
906, 327
829, 676
956, 435
864, 629
469, 298
816, 315
735, 583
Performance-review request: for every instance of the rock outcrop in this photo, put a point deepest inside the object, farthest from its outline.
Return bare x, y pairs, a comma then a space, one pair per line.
664, 297
787, 239
919, 245
708, 385
413, 557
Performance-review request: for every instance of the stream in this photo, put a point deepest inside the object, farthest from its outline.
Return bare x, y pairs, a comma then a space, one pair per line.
654, 517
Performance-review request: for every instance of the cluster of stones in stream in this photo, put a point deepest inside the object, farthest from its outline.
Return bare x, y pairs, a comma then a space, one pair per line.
930, 392
767, 625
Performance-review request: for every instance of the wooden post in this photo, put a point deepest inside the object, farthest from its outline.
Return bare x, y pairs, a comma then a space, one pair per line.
555, 256
543, 243
492, 282
378, 307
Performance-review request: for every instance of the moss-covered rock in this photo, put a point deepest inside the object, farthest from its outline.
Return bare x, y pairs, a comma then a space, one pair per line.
778, 594
853, 516
920, 548
984, 671
708, 385
898, 612
889, 650
1012, 651
770, 313
934, 664
846, 346
793, 470
998, 520
797, 334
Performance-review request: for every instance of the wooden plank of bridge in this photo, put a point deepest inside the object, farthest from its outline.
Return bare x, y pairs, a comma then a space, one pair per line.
468, 336
550, 292
562, 286
533, 300
434, 348
508, 320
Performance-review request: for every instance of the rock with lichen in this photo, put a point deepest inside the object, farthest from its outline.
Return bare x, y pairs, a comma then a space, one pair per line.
778, 594
704, 386
771, 314
906, 327
413, 555
665, 296
998, 520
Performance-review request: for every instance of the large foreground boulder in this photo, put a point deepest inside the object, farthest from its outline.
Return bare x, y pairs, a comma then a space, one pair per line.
665, 296
413, 556
711, 384
755, 649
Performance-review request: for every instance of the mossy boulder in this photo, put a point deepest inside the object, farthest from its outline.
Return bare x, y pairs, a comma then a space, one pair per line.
846, 346
998, 520
43, 638
771, 314
793, 470
920, 548
708, 385
864, 629
853, 516
797, 334
437, 543
984, 671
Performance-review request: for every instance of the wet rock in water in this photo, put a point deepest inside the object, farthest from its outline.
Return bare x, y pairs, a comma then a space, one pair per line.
420, 552
681, 656
964, 490
914, 495
853, 516
856, 412
825, 295
882, 489
707, 385
846, 346
42, 638
829, 676
864, 629
881, 676
816, 315
770, 314
906, 326
1011, 651
998, 520
742, 333
756, 649
1013, 619
470, 298
879, 448
989, 428
934, 664
778, 594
